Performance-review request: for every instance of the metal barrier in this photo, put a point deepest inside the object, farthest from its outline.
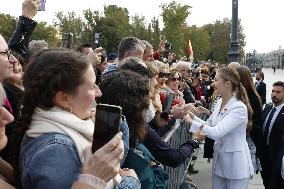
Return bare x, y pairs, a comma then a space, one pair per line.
175, 137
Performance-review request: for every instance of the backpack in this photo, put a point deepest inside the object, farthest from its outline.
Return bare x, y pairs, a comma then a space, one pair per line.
150, 176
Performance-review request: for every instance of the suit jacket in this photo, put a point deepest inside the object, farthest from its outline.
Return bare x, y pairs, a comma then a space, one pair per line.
261, 89
275, 150
227, 127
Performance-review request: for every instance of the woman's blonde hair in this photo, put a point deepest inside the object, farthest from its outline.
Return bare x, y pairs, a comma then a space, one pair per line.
2, 94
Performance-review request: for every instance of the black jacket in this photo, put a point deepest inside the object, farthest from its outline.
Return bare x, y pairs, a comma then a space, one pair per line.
271, 155
261, 89
256, 130
21, 37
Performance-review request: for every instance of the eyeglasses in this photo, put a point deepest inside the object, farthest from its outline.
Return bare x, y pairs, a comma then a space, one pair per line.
176, 79
163, 74
7, 52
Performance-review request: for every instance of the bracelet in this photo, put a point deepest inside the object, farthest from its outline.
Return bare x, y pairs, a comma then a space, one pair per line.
91, 180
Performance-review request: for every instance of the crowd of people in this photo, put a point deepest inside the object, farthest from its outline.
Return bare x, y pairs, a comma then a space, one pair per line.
48, 102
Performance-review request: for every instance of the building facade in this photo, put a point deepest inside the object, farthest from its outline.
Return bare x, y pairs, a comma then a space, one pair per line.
274, 59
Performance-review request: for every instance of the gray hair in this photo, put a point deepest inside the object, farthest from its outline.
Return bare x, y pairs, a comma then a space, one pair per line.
234, 65
182, 65
129, 44
36, 46
147, 44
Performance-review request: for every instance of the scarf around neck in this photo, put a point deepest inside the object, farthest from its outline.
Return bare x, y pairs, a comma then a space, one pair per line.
56, 120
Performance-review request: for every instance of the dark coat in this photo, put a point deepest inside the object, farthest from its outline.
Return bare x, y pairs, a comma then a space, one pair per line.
21, 37
271, 155
261, 89
256, 130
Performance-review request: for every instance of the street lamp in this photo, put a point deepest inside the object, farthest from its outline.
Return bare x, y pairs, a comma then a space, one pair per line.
234, 44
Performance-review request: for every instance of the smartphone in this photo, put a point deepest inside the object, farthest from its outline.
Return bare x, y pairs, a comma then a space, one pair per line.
41, 6
167, 105
108, 118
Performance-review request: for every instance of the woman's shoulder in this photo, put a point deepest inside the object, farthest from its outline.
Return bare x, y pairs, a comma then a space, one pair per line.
48, 144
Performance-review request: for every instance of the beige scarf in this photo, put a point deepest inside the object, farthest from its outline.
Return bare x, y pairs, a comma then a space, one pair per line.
56, 120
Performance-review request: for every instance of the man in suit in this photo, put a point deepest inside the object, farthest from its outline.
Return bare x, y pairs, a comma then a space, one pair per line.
260, 86
271, 152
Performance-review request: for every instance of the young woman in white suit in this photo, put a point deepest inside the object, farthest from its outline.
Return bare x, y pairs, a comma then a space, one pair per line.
232, 165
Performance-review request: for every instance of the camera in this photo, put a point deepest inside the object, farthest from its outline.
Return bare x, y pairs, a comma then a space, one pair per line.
169, 46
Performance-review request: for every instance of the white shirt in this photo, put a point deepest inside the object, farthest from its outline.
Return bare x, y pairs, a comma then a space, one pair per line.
278, 108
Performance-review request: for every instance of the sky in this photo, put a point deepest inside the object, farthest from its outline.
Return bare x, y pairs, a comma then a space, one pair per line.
261, 19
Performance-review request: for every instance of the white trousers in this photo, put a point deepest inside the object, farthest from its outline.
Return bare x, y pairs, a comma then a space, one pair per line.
224, 183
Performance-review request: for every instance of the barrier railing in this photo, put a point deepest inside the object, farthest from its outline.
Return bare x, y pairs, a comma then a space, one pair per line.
175, 137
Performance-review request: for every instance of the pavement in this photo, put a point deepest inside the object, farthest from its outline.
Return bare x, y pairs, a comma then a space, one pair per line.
203, 179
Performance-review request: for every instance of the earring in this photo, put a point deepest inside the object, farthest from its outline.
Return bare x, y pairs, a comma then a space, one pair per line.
68, 109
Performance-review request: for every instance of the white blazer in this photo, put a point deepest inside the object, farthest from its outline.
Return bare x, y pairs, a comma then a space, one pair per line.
231, 158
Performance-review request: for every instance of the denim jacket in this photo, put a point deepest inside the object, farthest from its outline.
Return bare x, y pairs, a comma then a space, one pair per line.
51, 161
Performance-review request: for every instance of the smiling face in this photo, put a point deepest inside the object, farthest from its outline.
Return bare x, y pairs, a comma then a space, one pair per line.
220, 85
86, 94
174, 82
6, 60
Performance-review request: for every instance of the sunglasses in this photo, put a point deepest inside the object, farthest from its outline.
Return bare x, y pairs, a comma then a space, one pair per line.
163, 74
176, 79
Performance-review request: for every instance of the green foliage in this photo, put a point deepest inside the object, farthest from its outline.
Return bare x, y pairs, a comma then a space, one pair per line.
175, 30
7, 25
69, 22
47, 33
200, 42
210, 41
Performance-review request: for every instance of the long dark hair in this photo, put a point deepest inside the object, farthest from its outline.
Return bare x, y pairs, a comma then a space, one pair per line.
229, 74
247, 81
50, 71
130, 91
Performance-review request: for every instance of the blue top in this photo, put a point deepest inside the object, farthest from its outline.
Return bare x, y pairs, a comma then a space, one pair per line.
51, 161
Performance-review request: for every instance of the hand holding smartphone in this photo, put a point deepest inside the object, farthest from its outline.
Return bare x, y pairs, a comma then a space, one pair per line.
108, 118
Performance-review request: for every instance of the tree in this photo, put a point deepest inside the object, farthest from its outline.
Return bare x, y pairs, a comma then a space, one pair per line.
200, 42
156, 35
47, 33
70, 22
219, 34
7, 25
175, 29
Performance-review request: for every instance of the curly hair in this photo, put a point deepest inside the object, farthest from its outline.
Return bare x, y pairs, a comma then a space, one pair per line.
130, 91
50, 71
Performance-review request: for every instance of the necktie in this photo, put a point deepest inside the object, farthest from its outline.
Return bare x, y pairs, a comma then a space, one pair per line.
266, 131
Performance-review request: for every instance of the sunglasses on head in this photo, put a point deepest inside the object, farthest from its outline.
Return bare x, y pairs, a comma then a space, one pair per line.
163, 74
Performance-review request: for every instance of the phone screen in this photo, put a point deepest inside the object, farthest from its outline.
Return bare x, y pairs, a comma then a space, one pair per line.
41, 6
106, 125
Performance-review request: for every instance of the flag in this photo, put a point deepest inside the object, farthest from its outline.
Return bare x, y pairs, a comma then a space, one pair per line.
189, 49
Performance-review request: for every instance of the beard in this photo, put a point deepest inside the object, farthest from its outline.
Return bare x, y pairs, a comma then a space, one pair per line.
275, 100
